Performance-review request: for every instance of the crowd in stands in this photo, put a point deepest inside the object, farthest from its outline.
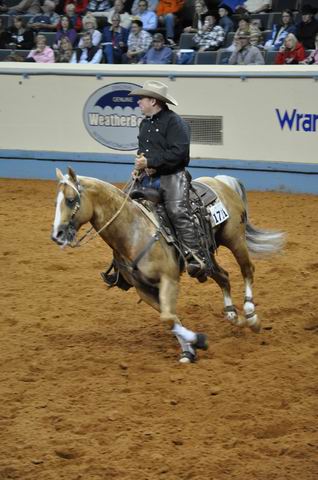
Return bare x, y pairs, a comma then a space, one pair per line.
234, 32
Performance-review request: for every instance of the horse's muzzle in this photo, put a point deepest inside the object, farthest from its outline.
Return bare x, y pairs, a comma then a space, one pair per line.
64, 235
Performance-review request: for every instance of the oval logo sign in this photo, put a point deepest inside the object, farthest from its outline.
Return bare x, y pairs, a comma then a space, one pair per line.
112, 117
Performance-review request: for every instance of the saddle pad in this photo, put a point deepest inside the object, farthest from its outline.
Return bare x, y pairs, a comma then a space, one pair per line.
150, 215
205, 192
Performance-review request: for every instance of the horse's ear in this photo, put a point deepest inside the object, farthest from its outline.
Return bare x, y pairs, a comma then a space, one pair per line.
72, 174
59, 174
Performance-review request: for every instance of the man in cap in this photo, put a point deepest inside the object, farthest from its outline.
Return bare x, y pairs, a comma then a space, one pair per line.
245, 53
164, 144
308, 27
158, 54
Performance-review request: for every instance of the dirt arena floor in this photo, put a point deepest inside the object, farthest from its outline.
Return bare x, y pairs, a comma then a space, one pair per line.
90, 386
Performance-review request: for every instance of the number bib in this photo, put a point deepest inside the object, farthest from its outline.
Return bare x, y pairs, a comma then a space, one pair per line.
218, 213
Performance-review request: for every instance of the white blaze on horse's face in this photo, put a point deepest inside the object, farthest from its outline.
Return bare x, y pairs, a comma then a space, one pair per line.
67, 204
58, 214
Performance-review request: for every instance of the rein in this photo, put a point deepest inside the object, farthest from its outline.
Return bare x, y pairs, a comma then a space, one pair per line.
87, 235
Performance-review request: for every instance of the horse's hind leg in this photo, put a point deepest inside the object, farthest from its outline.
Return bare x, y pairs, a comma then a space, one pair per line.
221, 277
188, 340
242, 257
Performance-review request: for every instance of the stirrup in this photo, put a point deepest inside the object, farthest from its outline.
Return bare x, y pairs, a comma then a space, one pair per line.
115, 279
196, 268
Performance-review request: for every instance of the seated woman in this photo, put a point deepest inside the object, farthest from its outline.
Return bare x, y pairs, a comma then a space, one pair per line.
114, 40
64, 52
42, 53
65, 30
90, 26
291, 52
280, 32
19, 36
312, 59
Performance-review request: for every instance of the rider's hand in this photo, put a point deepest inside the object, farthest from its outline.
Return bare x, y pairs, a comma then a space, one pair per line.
140, 162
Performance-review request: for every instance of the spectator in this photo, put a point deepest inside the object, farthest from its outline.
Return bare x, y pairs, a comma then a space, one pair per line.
244, 25
280, 32
64, 52
65, 29
312, 59
115, 40
245, 53
149, 18
212, 35
139, 42
308, 27
47, 21
158, 54
80, 6
19, 36
152, 6
200, 9
26, 7
42, 53
3, 7
291, 52
166, 11
74, 19
125, 19
98, 6
225, 20
90, 26
88, 53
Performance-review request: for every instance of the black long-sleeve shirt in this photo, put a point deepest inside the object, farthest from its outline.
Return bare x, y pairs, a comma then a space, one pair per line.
164, 139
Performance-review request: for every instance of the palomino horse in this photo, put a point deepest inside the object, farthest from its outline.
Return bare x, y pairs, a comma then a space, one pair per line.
125, 227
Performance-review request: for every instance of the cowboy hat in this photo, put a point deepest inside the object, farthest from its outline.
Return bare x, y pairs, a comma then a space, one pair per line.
308, 10
154, 89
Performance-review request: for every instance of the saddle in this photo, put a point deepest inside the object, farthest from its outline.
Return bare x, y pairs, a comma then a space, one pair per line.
197, 191
201, 197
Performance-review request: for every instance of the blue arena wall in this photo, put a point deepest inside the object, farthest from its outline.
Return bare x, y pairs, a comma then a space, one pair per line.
262, 176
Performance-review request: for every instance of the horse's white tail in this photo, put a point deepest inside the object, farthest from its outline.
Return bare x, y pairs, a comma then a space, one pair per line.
259, 242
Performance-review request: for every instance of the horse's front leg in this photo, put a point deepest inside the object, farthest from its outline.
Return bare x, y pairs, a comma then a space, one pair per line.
188, 340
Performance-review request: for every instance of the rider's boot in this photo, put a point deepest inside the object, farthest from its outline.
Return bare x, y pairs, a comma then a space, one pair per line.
177, 205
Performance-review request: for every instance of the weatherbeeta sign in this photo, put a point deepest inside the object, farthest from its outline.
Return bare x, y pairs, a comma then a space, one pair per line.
112, 117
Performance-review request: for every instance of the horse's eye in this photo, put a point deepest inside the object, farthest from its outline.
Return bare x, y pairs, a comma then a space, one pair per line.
70, 201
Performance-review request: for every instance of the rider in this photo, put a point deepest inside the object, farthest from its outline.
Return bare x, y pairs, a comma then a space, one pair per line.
163, 154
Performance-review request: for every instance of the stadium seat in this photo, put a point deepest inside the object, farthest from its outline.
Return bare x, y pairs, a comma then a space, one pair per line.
228, 39
264, 19
5, 21
270, 57
206, 58
5, 53
223, 57
280, 5
186, 41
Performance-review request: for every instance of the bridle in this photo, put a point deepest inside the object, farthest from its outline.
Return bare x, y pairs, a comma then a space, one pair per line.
88, 235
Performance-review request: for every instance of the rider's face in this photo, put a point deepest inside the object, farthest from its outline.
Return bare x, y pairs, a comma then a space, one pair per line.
146, 105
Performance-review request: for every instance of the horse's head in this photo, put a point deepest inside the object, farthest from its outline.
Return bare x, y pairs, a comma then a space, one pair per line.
72, 208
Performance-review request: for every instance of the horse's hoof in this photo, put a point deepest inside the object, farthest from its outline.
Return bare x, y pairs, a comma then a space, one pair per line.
201, 341
187, 357
254, 323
